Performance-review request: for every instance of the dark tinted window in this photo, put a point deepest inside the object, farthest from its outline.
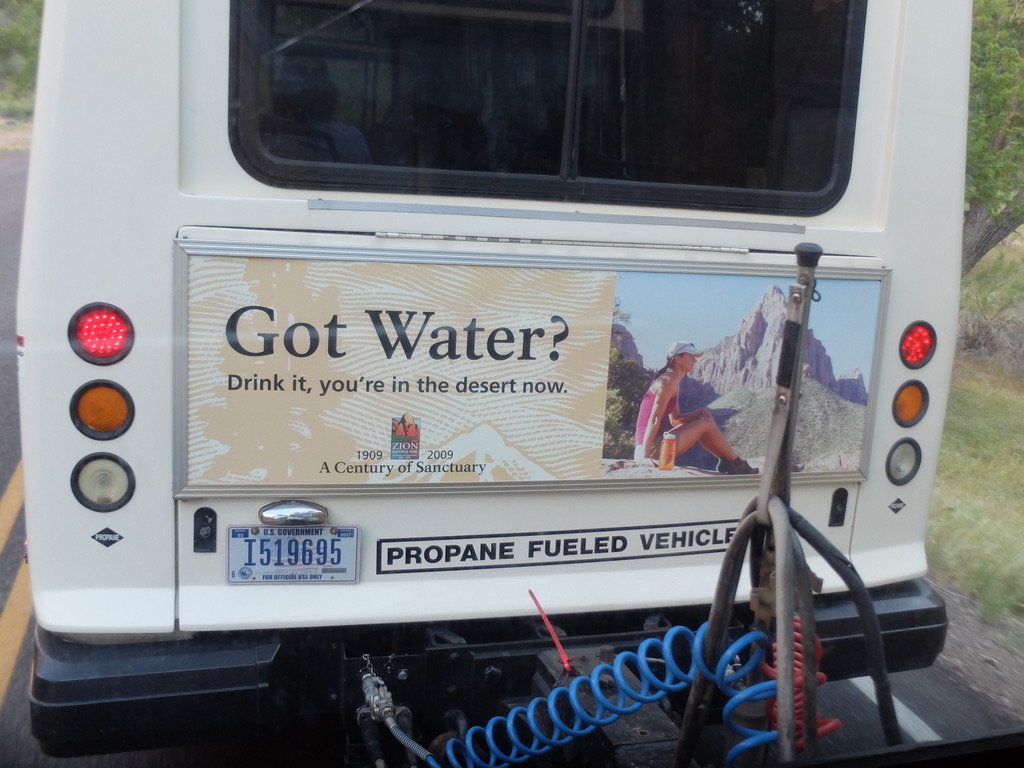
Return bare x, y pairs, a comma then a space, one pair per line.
736, 104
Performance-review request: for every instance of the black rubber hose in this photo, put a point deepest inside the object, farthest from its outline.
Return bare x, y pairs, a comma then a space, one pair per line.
371, 738
456, 720
702, 690
403, 715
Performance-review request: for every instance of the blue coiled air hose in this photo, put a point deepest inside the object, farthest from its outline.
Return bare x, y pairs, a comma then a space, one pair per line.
522, 734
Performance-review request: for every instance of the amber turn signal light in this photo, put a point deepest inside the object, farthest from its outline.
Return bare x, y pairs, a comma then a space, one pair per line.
910, 404
102, 410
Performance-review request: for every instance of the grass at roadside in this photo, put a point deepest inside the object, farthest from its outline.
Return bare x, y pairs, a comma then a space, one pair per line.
977, 519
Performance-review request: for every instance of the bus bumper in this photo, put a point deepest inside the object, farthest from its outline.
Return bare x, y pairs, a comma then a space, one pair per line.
87, 698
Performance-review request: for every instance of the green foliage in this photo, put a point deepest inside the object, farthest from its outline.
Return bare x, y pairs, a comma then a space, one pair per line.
994, 194
627, 382
618, 441
995, 149
20, 22
618, 315
997, 283
992, 309
975, 526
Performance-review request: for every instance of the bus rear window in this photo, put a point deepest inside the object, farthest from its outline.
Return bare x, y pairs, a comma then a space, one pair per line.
728, 104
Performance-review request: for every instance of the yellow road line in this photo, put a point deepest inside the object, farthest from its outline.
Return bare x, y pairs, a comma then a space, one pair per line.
13, 626
11, 503
17, 611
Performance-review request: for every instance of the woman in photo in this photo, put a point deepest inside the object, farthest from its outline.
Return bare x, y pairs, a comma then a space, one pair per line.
659, 414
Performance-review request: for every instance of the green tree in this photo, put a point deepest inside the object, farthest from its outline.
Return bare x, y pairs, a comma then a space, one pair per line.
627, 382
995, 142
20, 22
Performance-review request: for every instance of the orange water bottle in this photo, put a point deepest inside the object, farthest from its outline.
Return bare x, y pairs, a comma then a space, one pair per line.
667, 456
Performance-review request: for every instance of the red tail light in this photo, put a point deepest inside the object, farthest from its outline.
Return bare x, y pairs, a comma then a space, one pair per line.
101, 334
917, 345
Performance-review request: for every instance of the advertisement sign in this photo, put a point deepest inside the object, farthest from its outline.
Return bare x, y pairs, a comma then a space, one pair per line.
327, 372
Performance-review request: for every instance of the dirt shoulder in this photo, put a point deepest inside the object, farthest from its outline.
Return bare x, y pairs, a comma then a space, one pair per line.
986, 655
15, 135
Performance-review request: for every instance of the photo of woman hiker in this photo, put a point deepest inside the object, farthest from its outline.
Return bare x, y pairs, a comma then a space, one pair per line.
659, 414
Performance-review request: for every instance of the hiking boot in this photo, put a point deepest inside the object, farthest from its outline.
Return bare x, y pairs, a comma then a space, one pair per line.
736, 466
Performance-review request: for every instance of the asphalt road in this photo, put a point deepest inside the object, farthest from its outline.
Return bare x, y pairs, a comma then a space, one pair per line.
13, 168
937, 705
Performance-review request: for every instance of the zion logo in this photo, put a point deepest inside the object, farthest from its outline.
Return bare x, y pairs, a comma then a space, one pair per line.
405, 437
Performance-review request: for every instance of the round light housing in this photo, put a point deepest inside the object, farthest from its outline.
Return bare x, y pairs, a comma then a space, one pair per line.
917, 345
102, 410
910, 404
103, 482
903, 462
101, 334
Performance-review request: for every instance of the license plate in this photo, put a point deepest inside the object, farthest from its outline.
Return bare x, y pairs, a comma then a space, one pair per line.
307, 555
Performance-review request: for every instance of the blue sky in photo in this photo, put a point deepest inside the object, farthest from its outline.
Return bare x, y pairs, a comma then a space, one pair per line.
669, 307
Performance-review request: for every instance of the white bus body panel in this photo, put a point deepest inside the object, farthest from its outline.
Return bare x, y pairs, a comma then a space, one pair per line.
132, 161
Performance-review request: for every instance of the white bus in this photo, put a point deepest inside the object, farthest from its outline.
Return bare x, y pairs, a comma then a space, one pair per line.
352, 326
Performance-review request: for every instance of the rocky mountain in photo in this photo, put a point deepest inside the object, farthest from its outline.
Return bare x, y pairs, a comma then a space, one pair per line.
623, 341
749, 359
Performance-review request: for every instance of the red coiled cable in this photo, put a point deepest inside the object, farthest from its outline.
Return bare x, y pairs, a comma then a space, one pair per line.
825, 726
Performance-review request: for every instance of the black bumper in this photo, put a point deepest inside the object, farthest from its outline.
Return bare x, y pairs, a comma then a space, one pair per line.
88, 699
911, 615
106, 698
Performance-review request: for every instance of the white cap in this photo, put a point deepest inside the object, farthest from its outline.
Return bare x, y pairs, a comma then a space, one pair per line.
683, 346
